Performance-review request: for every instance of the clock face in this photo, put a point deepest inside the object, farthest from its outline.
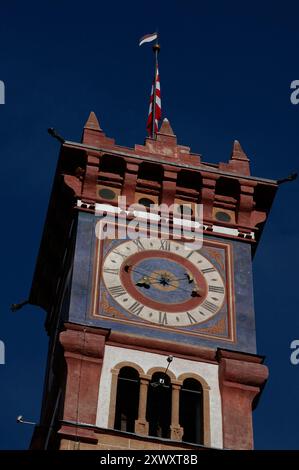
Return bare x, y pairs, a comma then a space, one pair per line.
162, 282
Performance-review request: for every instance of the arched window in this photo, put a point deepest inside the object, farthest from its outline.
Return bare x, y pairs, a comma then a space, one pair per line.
188, 179
188, 193
158, 413
148, 185
127, 399
110, 177
227, 195
191, 411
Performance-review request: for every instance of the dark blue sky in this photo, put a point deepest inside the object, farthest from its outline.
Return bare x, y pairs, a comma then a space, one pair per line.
226, 69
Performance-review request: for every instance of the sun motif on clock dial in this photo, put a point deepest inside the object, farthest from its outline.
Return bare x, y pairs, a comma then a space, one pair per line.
160, 281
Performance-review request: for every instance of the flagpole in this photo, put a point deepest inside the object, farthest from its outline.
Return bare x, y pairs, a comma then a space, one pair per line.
156, 49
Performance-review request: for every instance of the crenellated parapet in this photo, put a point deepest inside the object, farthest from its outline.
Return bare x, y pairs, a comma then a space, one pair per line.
235, 204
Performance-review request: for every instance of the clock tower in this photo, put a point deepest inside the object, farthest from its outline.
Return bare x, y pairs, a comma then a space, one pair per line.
152, 334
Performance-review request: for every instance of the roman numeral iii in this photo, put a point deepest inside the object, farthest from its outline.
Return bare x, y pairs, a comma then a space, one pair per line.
208, 270
209, 306
219, 289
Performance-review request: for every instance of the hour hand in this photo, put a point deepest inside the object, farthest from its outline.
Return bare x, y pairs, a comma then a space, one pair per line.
196, 291
144, 282
190, 277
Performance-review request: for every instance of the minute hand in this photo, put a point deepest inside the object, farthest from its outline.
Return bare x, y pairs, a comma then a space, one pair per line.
177, 287
157, 282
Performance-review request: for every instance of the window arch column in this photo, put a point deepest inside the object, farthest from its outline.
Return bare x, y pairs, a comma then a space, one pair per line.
176, 431
130, 181
141, 424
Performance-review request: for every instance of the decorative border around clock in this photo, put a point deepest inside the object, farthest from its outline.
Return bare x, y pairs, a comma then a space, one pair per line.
119, 318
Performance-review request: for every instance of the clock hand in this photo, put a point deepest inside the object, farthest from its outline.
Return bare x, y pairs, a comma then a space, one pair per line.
188, 277
194, 292
146, 282
142, 274
148, 277
128, 268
